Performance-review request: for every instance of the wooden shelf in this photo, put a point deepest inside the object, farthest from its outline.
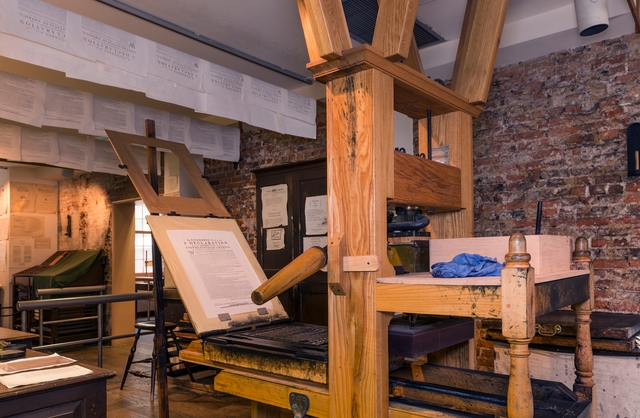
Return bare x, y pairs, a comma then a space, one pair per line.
414, 93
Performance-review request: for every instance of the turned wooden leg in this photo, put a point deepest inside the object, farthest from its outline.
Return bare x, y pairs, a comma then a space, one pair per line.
519, 394
584, 385
518, 325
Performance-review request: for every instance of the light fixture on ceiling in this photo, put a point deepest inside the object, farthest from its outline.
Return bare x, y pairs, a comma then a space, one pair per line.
592, 15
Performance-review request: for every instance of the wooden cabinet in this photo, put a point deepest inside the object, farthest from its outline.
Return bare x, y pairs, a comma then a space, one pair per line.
307, 301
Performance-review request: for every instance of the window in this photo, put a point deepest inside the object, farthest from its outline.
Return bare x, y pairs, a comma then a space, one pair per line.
143, 252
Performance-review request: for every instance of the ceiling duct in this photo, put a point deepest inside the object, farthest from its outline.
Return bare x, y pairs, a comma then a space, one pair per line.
361, 19
592, 16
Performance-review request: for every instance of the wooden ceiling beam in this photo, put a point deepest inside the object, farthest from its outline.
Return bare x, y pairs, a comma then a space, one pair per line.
413, 60
478, 47
394, 28
325, 28
634, 5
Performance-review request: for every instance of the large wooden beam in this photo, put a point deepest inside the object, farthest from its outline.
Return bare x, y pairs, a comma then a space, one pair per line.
414, 61
634, 5
478, 47
359, 181
394, 28
325, 28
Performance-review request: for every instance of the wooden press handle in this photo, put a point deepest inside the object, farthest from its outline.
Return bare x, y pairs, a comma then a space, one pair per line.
290, 275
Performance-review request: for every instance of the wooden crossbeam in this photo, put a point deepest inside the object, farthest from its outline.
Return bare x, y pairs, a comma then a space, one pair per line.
634, 5
325, 28
478, 47
394, 28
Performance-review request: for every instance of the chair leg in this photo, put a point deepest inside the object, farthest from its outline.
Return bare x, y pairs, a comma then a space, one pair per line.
130, 359
154, 363
186, 365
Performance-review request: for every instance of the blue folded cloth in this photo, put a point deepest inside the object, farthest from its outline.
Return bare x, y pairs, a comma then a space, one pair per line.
468, 265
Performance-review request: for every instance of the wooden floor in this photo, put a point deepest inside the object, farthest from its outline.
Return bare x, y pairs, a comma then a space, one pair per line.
185, 399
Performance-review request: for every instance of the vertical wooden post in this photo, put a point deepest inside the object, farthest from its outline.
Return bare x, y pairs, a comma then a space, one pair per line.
160, 337
454, 130
518, 324
359, 180
584, 385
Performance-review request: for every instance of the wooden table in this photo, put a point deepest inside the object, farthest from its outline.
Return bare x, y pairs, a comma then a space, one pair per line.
17, 337
82, 396
516, 297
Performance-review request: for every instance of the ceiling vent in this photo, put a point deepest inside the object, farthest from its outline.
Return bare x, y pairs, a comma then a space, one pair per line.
361, 19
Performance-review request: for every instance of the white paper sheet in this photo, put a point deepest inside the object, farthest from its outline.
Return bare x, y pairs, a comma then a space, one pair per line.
3, 202
315, 215
96, 41
300, 107
113, 114
26, 226
75, 152
21, 99
34, 363
318, 241
264, 118
291, 126
178, 128
21, 252
4, 227
274, 205
22, 197
204, 138
41, 376
275, 239
224, 82
160, 117
36, 21
160, 89
66, 107
228, 108
175, 66
38, 146
9, 141
3, 255
230, 139
218, 269
265, 95
46, 198
105, 159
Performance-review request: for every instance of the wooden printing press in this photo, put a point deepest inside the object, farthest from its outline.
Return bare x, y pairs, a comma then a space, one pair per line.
263, 359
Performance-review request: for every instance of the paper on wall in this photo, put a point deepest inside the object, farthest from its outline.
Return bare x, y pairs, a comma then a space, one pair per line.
36, 21
275, 239
315, 215
264, 95
38, 146
21, 99
159, 117
9, 141
3, 255
175, 66
65, 107
75, 152
274, 206
319, 241
22, 197
224, 82
21, 252
4, 227
3, 201
46, 198
300, 107
113, 114
42, 243
178, 128
105, 159
291, 126
26, 226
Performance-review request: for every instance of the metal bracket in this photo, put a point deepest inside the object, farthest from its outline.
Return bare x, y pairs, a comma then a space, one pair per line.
556, 330
299, 403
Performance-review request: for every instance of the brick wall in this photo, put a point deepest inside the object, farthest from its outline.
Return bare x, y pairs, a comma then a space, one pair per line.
554, 130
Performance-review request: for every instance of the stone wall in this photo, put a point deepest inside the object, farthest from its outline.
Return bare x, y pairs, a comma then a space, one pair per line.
554, 130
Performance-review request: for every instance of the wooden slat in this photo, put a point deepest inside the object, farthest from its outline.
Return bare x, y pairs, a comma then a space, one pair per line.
325, 27
478, 47
426, 183
394, 28
471, 301
455, 130
414, 93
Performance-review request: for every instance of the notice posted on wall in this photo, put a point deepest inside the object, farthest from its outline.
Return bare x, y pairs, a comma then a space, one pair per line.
274, 206
218, 269
315, 215
21, 252
275, 239
308, 242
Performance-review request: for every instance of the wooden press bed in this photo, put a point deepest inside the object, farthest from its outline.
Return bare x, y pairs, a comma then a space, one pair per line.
516, 297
